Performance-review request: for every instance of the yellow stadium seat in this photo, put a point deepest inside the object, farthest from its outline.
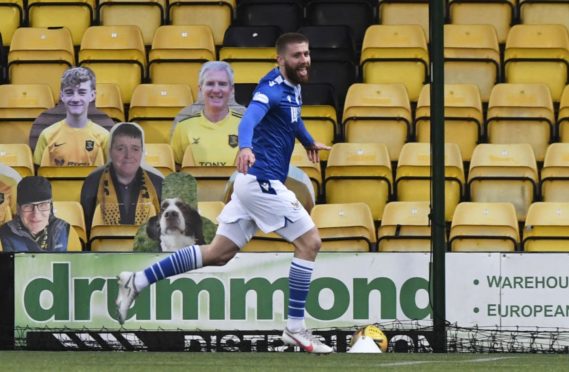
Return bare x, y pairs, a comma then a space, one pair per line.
300, 159
210, 209
563, 116
521, 113
72, 213
116, 54
216, 14
270, 242
538, 54
154, 107
319, 113
405, 227
413, 175
345, 227
75, 15
396, 54
160, 156
148, 15
9, 179
504, 173
472, 56
544, 12
547, 228
211, 180
11, 14
400, 12
378, 113
250, 50
18, 156
5, 214
484, 227
180, 48
555, 173
40, 56
464, 120
364, 167
66, 182
113, 238
108, 99
20, 105
498, 13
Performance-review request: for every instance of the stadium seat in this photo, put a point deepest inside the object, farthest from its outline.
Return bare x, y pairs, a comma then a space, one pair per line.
405, 227
332, 58
504, 173
521, 113
40, 56
66, 182
108, 99
356, 14
72, 213
498, 13
211, 180
319, 114
18, 156
555, 173
378, 113
396, 54
250, 50
413, 175
20, 105
347, 227
365, 167
180, 48
12, 16
75, 15
148, 15
244, 92
400, 12
270, 242
154, 107
547, 228
484, 227
544, 12
113, 238
116, 54
563, 116
538, 54
300, 159
160, 156
472, 56
210, 209
464, 120
287, 15
217, 14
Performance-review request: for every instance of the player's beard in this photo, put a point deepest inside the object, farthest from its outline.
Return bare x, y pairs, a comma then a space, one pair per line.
294, 77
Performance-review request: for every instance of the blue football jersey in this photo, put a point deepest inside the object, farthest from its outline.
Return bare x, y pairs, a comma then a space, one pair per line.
274, 135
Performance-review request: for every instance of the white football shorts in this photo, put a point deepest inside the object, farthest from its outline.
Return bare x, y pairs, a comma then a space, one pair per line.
262, 204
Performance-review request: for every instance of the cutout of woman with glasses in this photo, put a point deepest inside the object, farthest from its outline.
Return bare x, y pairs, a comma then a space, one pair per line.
34, 228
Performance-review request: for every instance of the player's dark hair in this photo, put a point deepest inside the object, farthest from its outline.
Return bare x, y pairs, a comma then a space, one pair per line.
289, 38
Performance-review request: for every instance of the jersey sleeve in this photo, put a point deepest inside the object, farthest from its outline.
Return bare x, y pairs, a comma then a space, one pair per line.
179, 142
40, 148
264, 98
303, 135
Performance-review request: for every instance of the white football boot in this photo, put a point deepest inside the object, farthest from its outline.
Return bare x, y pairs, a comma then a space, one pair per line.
306, 341
126, 296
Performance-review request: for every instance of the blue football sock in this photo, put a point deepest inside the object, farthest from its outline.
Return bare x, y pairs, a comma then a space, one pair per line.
299, 278
181, 261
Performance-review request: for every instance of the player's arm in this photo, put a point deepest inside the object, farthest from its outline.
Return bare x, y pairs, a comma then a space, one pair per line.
308, 142
256, 111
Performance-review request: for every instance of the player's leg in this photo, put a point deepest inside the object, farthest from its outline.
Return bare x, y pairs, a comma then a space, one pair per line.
306, 246
219, 252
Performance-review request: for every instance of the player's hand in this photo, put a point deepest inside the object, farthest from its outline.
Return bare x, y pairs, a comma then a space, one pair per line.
312, 151
245, 160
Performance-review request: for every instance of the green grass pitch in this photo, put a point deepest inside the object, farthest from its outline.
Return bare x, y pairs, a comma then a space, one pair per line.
221, 362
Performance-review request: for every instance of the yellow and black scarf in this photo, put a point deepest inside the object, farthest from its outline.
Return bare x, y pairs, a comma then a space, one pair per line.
108, 199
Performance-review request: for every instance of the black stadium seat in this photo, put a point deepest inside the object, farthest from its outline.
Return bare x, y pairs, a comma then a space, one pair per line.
286, 14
